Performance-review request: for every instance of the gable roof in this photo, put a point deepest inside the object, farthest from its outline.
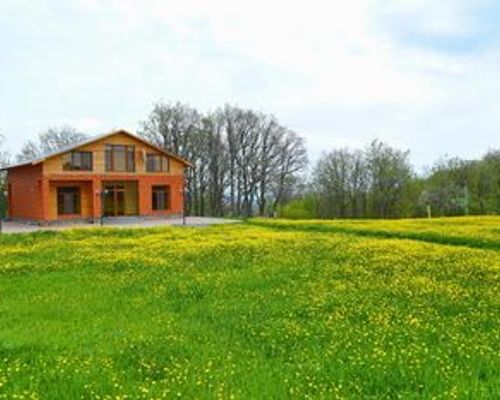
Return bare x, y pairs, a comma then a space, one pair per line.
94, 139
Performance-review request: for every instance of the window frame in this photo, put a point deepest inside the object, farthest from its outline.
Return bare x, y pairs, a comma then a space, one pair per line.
76, 204
164, 162
109, 157
157, 190
70, 164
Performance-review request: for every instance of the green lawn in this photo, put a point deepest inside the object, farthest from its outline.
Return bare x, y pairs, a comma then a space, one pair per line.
267, 309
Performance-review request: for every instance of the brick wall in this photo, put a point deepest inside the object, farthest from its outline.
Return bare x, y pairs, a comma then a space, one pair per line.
34, 196
25, 192
146, 183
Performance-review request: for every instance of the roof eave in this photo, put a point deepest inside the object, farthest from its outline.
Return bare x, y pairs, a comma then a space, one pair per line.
93, 140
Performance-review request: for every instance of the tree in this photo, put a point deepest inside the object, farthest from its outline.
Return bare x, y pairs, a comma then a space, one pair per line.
4, 160
340, 183
49, 141
172, 126
446, 187
332, 183
390, 175
484, 184
375, 182
245, 161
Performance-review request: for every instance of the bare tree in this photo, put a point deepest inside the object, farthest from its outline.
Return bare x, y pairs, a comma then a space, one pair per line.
243, 158
390, 173
359, 183
291, 160
172, 127
51, 140
4, 160
332, 181
4, 157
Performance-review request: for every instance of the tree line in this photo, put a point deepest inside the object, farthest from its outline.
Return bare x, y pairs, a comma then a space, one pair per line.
373, 182
247, 163
380, 182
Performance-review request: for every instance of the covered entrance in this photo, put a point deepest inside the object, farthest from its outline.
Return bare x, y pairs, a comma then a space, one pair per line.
120, 198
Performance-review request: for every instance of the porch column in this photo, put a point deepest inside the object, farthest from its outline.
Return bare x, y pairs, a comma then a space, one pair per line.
142, 203
44, 200
96, 199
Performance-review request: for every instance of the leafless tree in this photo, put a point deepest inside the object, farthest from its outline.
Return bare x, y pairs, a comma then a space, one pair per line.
390, 173
4, 160
369, 183
244, 159
49, 141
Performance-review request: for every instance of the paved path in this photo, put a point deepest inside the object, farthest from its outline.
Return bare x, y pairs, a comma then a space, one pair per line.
17, 227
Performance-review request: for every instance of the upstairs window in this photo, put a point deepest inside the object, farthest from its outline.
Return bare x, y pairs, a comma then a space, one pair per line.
161, 198
78, 161
157, 163
120, 158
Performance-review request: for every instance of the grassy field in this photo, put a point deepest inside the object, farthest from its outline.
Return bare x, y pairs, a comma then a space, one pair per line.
266, 309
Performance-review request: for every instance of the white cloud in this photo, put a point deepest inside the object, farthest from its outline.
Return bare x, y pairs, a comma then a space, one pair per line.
338, 72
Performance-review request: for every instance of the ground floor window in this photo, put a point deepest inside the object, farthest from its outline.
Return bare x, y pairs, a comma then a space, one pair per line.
161, 198
68, 200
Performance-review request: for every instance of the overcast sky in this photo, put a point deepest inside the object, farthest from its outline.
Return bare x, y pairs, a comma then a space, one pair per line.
418, 74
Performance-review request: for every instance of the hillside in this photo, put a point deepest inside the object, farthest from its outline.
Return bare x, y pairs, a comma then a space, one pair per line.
266, 309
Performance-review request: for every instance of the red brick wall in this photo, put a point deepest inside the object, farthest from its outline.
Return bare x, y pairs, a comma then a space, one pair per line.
25, 192
176, 194
27, 185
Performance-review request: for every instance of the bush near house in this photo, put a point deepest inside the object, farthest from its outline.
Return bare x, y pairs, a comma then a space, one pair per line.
265, 309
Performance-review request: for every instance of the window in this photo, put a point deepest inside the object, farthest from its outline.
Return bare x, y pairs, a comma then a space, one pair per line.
157, 163
161, 198
68, 200
120, 158
78, 161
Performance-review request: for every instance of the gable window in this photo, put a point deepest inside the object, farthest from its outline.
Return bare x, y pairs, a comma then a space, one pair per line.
120, 158
161, 198
68, 200
77, 161
157, 163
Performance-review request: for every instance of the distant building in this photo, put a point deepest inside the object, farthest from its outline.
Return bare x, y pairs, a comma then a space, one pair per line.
117, 174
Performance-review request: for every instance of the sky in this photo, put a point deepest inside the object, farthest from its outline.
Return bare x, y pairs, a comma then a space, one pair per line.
418, 74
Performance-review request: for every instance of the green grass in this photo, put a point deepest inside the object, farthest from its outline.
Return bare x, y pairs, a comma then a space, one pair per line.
266, 309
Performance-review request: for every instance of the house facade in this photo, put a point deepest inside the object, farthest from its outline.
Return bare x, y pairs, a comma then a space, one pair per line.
113, 175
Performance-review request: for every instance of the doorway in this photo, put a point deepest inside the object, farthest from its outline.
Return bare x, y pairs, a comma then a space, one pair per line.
120, 198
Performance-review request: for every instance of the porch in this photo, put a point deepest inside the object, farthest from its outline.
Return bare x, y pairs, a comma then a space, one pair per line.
88, 200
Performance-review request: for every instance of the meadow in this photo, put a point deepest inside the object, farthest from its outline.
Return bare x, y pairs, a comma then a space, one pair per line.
265, 309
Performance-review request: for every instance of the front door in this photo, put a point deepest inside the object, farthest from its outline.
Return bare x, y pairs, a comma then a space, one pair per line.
114, 199
120, 198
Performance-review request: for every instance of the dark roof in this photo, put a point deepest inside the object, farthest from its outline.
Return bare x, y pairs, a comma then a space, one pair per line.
93, 139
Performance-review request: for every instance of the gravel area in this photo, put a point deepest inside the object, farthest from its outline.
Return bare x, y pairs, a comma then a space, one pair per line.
19, 227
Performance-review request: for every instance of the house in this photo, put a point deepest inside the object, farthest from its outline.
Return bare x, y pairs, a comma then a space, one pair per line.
116, 174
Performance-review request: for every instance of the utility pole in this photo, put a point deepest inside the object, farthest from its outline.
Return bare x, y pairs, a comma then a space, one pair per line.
103, 196
183, 212
184, 195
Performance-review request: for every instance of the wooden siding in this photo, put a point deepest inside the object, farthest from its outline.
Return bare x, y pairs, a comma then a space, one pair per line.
55, 165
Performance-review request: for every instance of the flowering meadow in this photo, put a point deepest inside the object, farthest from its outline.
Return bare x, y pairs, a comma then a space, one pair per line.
260, 310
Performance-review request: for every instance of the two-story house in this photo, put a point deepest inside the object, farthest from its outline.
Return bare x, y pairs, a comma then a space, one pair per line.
117, 174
